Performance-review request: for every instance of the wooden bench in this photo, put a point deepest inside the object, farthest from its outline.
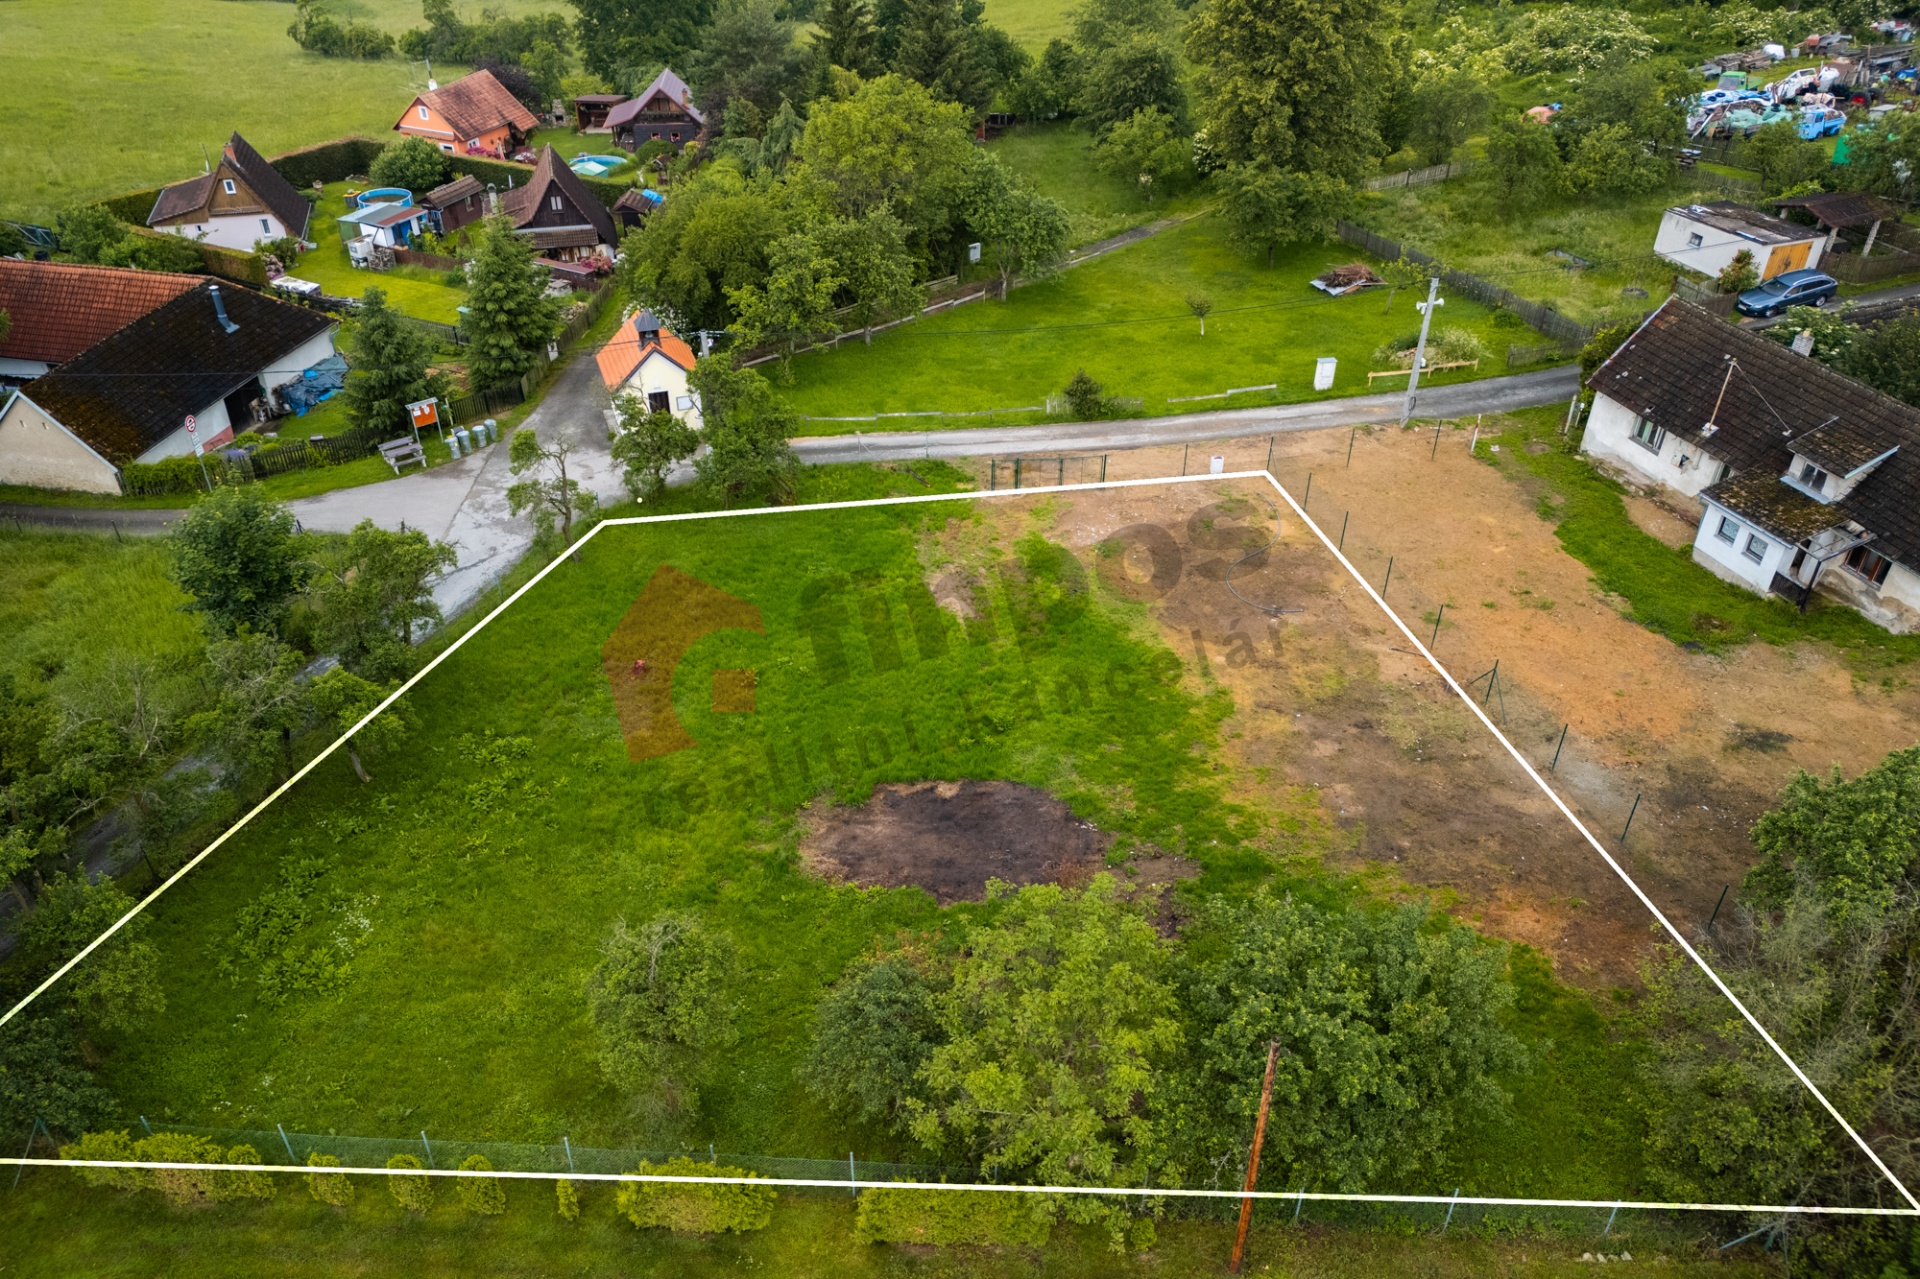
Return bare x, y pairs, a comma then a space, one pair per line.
402, 451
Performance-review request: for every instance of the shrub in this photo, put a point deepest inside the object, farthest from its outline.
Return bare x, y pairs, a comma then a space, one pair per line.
415, 1194
243, 1185
181, 1186
482, 1195
413, 163
1454, 343
334, 1188
950, 1217
694, 1209
104, 1145
1083, 396
569, 1200
1739, 275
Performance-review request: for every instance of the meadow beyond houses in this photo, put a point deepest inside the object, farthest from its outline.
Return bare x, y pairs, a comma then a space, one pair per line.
1070, 637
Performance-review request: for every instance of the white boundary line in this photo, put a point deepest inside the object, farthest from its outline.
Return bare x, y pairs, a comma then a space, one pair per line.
1149, 1192
536, 579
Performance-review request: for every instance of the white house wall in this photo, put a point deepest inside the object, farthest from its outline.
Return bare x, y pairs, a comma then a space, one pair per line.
1717, 248
1727, 560
237, 232
658, 373
298, 361
207, 423
1894, 604
1609, 435
37, 451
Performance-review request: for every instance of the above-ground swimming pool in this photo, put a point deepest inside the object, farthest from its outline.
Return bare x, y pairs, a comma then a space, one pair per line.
595, 165
384, 195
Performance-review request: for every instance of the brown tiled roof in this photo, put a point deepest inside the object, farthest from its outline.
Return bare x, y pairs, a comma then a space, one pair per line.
278, 194
563, 238
1672, 372
453, 192
181, 197
522, 204
129, 392
59, 309
476, 103
1777, 507
632, 199
625, 351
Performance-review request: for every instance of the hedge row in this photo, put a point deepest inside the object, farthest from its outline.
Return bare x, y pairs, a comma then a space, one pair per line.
182, 1187
334, 161
951, 1216
134, 206
693, 1207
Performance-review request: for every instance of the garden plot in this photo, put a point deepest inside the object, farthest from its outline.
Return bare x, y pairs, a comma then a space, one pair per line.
823, 730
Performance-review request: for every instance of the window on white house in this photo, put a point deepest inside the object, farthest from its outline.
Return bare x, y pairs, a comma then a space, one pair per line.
1728, 530
1813, 477
684, 402
266, 228
1695, 240
1756, 548
226, 184
657, 401
1647, 435
1869, 564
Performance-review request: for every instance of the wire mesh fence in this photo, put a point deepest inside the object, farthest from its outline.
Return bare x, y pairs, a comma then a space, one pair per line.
1045, 472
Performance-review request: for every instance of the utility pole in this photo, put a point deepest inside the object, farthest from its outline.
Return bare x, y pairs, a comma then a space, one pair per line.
1420, 351
1253, 1158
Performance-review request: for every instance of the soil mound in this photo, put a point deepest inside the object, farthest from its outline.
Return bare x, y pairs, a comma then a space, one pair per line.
951, 837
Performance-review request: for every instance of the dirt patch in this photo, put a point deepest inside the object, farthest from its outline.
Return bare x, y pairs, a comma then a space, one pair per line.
1663, 522
950, 838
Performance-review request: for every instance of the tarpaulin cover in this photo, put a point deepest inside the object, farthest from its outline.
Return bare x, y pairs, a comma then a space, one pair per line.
316, 384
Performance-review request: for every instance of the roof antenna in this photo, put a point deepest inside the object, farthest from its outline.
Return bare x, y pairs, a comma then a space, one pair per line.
206, 161
1711, 425
220, 309
432, 84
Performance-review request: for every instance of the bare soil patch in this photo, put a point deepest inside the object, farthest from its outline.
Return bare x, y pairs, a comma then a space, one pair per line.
950, 838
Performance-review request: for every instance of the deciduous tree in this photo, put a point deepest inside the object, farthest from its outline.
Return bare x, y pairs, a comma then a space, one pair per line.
259, 704
548, 491
1266, 208
621, 36
892, 143
872, 1035
1147, 149
1023, 231
372, 592
1526, 164
716, 234
875, 267
413, 162
650, 442
237, 555
44, 1077
793, 305
746, 426
661, 999
117, 987
1447, 106
341, 699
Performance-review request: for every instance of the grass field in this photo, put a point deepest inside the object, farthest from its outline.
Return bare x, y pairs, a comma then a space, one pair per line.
1057, 159
124, 94
51, 1227
1123, 319
1032, 22
1459, 223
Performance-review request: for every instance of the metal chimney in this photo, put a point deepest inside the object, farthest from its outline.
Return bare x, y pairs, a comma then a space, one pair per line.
220, 309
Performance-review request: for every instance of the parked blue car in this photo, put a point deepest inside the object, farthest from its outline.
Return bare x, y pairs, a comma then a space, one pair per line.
1789, 288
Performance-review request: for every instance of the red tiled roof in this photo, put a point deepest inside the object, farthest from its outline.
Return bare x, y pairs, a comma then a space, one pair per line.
475, 104
625, 352
59, 309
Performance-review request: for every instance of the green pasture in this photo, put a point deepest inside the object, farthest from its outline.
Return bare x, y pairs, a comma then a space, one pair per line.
1032, 22
1123, 318
1058, 161
120, 95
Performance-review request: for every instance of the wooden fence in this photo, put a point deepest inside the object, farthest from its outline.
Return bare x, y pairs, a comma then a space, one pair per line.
497, 399
1538, 315
1417, 177
1851, 268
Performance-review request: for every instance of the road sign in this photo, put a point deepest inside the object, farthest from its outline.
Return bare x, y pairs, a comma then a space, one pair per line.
191, 422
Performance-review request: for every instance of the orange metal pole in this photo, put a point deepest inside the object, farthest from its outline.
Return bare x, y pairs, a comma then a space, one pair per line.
1253, 1159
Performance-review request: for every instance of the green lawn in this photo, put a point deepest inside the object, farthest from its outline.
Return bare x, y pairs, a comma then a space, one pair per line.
124, 94
1057, 159
1123, 318
417, 291
1460, 222
51, 1227
1032, 22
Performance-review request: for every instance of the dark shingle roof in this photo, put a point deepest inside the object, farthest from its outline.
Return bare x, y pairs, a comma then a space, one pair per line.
666, 83
134, 389
1842, 208
60, 309
181, 197
523, 204
1750, 224
1780, 509
1841, 448
1673, 371
274, 191
453, 192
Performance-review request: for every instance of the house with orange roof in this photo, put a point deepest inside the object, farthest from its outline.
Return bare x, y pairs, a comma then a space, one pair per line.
644, 358
475, 115
59, 309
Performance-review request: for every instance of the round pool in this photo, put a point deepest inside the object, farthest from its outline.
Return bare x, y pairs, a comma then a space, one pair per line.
385, 195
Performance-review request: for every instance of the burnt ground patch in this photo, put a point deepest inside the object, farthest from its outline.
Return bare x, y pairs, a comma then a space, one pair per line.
950, 838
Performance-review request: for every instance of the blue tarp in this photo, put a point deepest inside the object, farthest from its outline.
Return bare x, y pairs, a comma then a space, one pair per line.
316, 384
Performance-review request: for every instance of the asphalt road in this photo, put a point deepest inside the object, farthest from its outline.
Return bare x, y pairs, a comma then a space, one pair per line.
1490, 395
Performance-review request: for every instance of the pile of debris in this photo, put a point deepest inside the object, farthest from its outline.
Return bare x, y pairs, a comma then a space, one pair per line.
1347, 279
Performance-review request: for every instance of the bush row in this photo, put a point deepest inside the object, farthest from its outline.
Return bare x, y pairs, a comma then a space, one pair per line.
950, 1217
334, 161
180, 1186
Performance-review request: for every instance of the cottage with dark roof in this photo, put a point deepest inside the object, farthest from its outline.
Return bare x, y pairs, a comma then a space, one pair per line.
1707, 237
459, 203
555, 210
1807, 478
475, 115
661, 112
242, 202
209, 355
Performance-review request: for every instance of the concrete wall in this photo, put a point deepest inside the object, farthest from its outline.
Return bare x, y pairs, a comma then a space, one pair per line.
1894, 604
658, 373
1677, 465
210, 424
1717, 249
38, 451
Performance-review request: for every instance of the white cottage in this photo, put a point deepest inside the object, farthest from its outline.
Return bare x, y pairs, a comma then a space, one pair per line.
1706, 238
1807, 479
209, 354
243, 201
645, 359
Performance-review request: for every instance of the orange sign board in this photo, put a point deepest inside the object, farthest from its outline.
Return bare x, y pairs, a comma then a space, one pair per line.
425, 413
